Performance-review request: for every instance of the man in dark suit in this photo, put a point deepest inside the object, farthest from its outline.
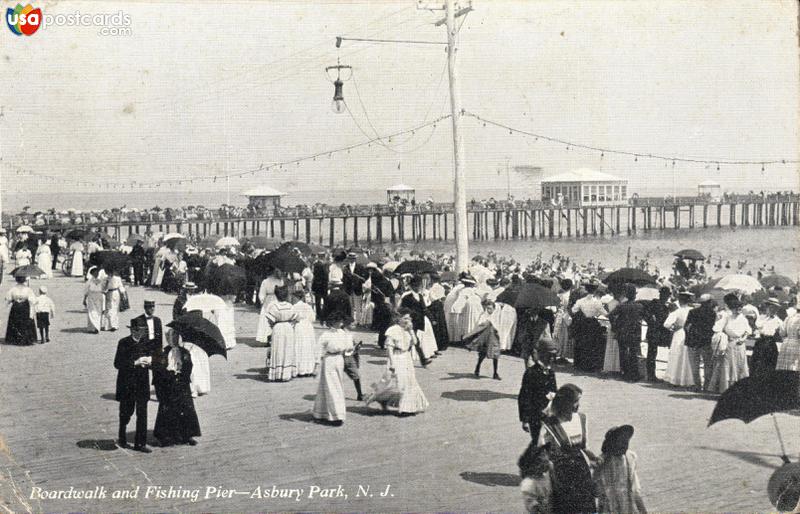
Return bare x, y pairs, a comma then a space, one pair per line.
319, 284
626, 321
138, 257
154, 332
699, 331
54, 248
538, 382
657, 312
132, 360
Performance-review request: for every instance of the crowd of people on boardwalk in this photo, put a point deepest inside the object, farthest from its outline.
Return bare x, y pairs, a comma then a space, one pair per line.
419, 308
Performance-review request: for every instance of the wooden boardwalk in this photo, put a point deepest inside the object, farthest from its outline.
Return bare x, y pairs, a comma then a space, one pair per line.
58, 419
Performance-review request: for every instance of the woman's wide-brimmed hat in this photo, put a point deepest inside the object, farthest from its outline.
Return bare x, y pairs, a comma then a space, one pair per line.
617, 439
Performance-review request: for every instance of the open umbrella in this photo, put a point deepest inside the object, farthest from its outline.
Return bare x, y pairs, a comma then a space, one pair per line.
391, 266
689, 254
28, 271
226, 242
175, 243
76, 234
449, 276
630, 275
227, 279
508, 296
204, 302
194, 328
771, 281
535, 296
415, 267
752, 397
285, 260
739, 282
111, 261
24, 229
174, 235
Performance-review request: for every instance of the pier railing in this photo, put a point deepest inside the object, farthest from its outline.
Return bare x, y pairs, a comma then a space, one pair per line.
503, 220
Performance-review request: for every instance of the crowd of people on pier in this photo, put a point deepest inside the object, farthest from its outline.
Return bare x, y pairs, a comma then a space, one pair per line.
76, 217
551, 311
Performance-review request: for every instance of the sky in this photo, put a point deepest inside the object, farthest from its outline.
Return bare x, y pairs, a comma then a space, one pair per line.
203, 89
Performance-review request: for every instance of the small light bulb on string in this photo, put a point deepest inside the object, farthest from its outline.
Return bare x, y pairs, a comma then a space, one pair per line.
635, 158
717, 166
762, 168
602, 155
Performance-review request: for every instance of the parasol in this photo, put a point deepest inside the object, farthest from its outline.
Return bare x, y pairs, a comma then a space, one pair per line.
227, 279
448, 276
28, 271
391, 266
752, 397
175, 243
204, 302
76, 234
535, 296
739, 282
771, 281
630, 275
226, 242
24, 229
174, 235
689, 254
194, 328
414, 267
285, 260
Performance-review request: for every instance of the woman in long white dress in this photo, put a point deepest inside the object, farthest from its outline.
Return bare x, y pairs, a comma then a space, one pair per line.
611, 363
305, 343
226, 321
679, 367
93, 300
453, 319
470, 307
562, 323
113, 290
282, 365
329, 405
266, 295
44, 259
77, 259
399, 345
730, 332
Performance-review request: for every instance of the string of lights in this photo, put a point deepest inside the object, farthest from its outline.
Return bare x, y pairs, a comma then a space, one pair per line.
274, 166
636, 155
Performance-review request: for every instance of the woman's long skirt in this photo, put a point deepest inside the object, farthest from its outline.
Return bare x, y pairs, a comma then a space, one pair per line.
679, 366
110, 319
94, 311
200, 379
412, 399
77, 264
45, 262
176, 420
282, 365
330, 401
21, 328
435, 313
305, 348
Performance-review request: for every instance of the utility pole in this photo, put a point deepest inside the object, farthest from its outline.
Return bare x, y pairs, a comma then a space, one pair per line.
459, 178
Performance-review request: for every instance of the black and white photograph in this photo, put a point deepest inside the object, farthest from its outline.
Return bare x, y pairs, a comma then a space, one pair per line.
400, 256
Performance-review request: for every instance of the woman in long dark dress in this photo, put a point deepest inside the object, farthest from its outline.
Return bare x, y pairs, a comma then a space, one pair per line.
566, 432
21, 328
176, 421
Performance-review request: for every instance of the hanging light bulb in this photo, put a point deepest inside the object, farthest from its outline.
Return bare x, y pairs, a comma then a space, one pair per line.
337, 105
